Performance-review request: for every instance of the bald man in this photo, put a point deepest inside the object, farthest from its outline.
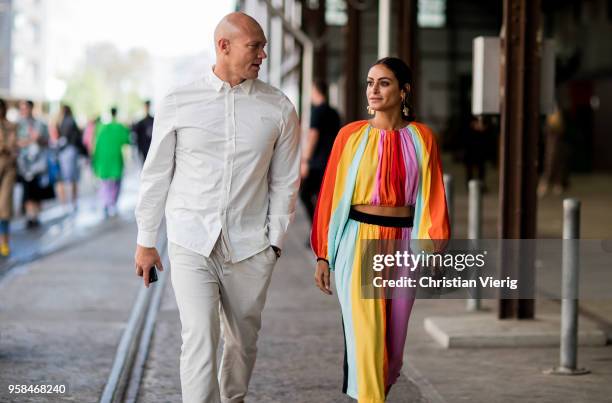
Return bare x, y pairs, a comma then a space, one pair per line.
224, 165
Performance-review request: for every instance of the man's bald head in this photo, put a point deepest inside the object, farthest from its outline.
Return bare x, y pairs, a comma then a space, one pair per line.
236, 24
239, 46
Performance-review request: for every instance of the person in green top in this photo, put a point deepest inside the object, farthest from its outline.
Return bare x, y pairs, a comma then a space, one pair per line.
108, 161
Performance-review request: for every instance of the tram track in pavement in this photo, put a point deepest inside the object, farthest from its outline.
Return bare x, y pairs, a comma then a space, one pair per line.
124, 380
61, 233
63, 313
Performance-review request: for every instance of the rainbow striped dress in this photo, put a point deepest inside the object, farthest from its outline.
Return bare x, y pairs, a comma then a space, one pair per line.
382, 168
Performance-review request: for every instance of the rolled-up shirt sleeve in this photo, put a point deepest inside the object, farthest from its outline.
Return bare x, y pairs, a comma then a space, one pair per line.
284, 179
157, 173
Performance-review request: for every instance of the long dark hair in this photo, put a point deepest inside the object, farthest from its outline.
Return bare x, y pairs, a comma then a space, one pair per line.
403, 74
2, 109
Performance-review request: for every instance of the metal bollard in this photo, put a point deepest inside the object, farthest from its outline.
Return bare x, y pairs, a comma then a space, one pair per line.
569, 304
449, 184
474, 232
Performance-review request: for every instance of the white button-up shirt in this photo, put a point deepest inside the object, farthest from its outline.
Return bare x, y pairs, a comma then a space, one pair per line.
223, 161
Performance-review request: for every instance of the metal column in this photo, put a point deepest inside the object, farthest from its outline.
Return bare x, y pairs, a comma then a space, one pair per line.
520, 109
407, 42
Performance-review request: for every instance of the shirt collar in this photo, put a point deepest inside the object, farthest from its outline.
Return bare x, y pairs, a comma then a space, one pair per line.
219, 84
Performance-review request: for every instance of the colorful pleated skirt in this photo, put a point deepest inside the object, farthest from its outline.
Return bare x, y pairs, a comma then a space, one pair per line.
374, 328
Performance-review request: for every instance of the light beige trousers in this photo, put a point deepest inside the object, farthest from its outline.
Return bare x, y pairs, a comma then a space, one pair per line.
217, 298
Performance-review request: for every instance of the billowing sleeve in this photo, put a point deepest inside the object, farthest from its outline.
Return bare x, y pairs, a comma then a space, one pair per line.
330, 194
430, 212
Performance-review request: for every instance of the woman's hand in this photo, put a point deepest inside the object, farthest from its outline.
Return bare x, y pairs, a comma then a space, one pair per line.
322, 277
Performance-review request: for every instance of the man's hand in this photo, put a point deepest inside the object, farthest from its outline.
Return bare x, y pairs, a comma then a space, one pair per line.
277, 250
322, 277
144, 259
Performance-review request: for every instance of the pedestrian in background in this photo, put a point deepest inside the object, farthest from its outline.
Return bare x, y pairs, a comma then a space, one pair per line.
69, 145
556, 169
108, 161
478, 137
89, 135
8, 174
324, 125
143, 130
33, 162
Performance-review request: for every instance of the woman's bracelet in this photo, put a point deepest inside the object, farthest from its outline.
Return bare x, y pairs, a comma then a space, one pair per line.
323, 259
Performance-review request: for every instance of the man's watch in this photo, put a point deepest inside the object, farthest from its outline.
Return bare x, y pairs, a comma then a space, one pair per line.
277, 250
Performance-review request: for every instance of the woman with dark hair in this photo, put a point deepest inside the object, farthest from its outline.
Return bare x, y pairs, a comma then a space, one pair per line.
383, 181
68, 145
8, 174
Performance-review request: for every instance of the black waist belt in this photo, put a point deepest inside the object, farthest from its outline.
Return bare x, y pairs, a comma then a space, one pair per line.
383, 221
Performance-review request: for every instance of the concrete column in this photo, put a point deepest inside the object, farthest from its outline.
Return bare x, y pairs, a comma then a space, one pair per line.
384, 28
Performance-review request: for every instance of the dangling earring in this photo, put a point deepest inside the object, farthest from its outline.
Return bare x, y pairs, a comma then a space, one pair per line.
370, 110
406, 110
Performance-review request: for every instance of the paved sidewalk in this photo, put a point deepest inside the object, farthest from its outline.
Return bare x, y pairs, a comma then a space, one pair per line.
503, 374
61, 317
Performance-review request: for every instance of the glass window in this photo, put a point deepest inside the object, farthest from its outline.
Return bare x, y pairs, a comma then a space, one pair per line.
335, 12
432, 13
